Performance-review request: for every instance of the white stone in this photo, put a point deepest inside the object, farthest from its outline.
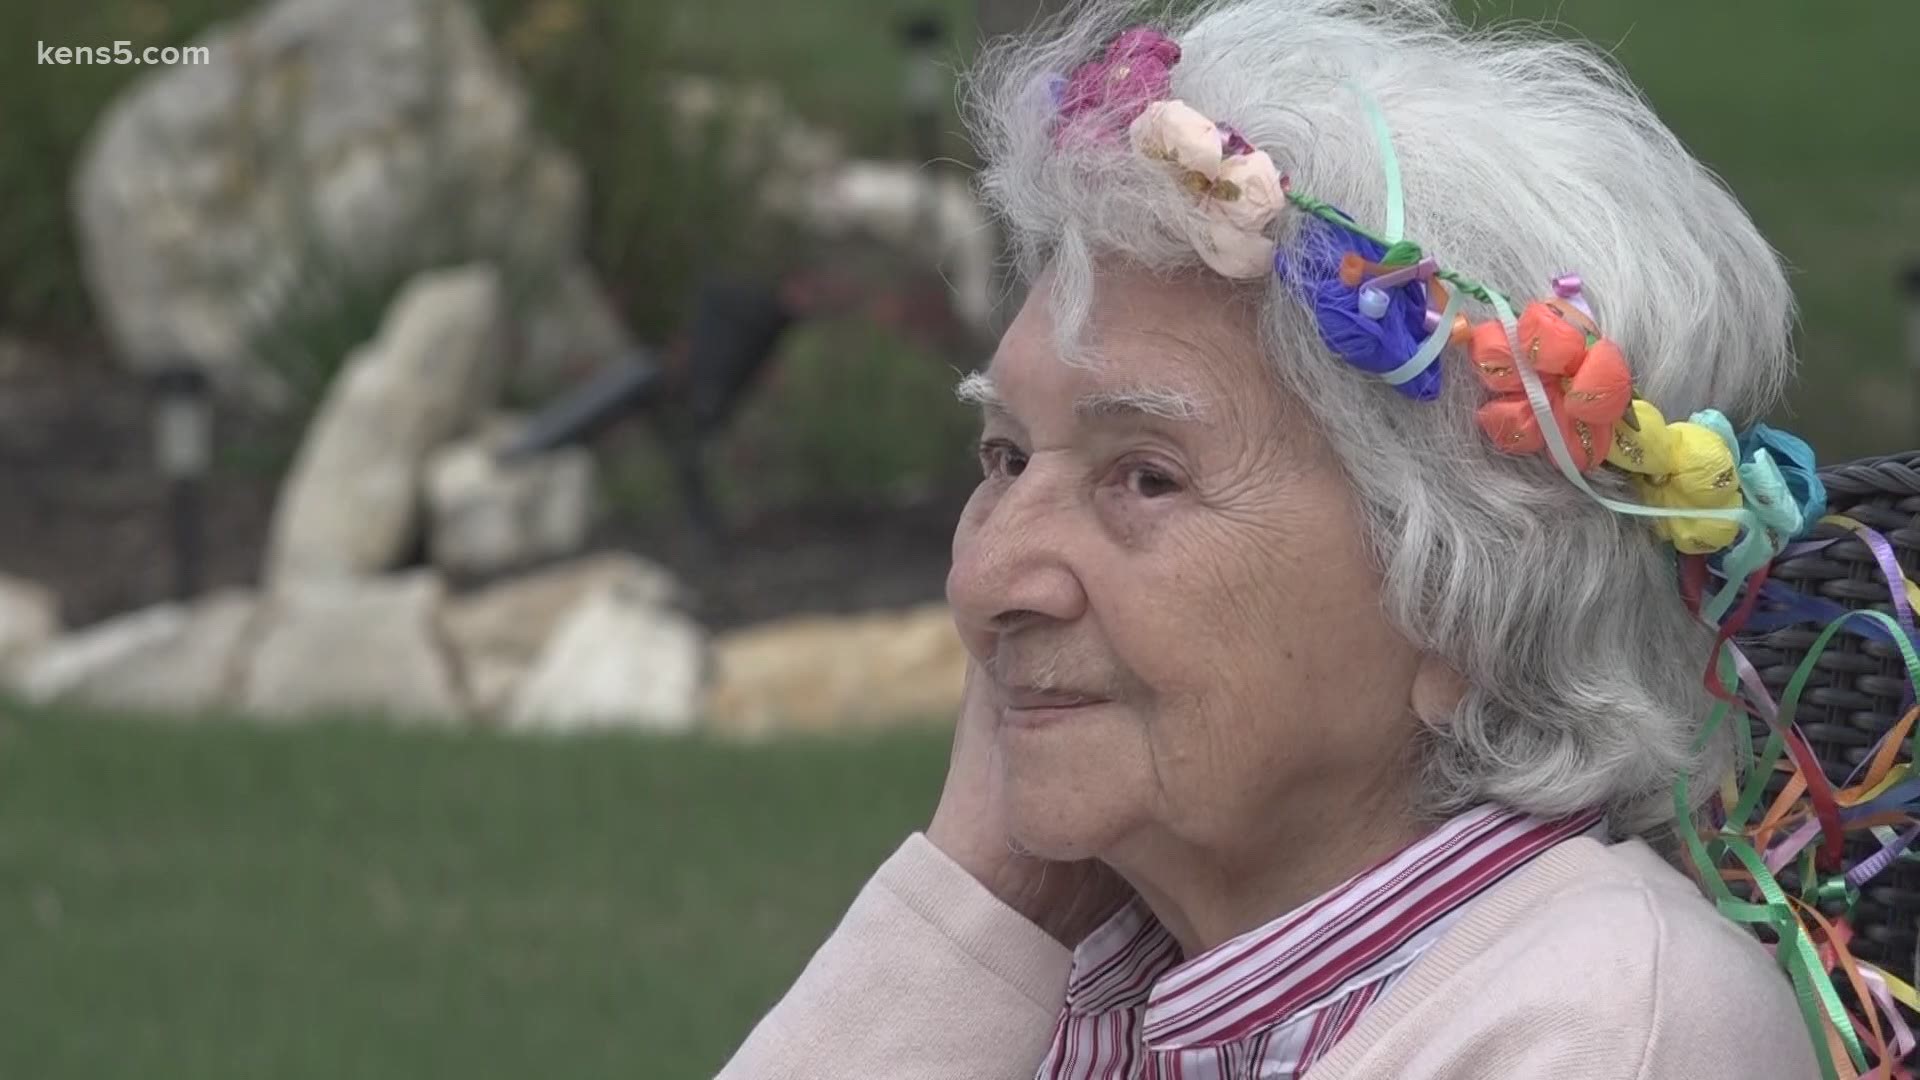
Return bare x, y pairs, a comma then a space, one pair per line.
64, 667
486, 517
350, 504
354, 647
498, 633
931, 216
325, 145
615, 660
171, 659
197, 670
29, 618
823, 673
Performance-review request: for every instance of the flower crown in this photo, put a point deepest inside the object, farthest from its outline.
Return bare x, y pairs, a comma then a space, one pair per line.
1729, 503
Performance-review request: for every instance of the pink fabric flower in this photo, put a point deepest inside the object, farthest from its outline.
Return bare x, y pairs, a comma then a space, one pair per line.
1102, 97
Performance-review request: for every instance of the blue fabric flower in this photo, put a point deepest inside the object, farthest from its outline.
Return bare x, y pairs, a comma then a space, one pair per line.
1376, 346
1796, 462
1765, 493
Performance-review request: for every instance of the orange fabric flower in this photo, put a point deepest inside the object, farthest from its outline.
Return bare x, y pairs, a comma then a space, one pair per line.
1585, 377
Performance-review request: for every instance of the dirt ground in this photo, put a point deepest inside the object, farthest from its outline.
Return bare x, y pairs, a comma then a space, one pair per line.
83, 511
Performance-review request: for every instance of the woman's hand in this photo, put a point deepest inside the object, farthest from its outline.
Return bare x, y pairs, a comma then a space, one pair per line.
1067, 900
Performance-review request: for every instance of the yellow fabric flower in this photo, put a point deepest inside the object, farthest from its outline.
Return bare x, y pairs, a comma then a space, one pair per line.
1684, 465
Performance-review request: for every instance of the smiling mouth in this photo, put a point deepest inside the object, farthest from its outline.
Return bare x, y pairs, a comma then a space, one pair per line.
1026, 707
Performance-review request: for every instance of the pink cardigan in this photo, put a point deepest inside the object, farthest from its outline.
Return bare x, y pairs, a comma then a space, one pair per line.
1595, 962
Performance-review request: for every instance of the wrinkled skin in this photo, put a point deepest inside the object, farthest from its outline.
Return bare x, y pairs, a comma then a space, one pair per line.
1184, 684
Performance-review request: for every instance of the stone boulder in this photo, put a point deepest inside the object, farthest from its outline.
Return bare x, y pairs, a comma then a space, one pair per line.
354, 647
350, 504
59, 670
928, 214
29, 619
499, 633
825, 673
486, 516
173, 658
327, 147
616, 658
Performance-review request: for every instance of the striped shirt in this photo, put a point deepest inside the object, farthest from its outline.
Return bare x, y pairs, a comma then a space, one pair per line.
1267, 1004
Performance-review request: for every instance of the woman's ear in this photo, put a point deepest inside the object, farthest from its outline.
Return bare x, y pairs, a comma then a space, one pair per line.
1437, 692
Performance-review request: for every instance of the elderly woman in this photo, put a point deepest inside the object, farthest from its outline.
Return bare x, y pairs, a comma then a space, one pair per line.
1331, 683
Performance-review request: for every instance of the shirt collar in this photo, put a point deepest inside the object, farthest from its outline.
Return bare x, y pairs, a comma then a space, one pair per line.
1362, 929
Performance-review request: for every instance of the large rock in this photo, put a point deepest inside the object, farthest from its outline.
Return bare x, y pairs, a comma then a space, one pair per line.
822, 673
498, 633
616, 659
60, 669
350, 504
926, 214
367, 647
486, 516
29, 619
326, 147
173, 658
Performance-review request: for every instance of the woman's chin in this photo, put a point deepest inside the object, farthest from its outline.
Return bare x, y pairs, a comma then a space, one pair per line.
1061, 819
1071, 783
1054, 841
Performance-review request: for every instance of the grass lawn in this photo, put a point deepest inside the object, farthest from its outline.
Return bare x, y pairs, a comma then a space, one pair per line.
347, 901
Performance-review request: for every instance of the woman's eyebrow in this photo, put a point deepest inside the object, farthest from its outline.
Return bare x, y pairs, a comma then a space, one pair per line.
977, 389
1161, 402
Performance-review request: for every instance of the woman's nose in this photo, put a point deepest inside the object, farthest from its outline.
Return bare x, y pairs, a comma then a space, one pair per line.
1012, 561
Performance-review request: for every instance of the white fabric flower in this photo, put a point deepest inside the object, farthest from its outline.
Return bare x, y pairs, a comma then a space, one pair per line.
1239, 196
1175, 132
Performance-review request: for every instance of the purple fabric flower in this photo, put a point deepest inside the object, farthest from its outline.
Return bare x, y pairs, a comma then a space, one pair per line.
1104, 96
1375, 346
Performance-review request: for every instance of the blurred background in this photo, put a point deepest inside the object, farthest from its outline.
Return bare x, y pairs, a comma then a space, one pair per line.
399, 386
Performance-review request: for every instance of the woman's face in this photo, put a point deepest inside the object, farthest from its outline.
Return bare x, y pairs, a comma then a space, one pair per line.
1162, 573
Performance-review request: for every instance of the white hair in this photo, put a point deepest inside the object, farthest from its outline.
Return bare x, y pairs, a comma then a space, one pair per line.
1523, 157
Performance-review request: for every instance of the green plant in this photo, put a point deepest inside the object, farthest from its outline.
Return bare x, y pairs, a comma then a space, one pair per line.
853, 412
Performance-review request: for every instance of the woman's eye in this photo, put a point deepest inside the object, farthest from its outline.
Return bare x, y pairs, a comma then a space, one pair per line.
1149, 482
1001, 458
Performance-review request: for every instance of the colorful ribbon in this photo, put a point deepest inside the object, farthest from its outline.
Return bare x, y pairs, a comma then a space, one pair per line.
1780, 498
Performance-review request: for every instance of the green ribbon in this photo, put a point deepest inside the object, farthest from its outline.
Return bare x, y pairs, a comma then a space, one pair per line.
1390, 165
1814, 992
1836, 891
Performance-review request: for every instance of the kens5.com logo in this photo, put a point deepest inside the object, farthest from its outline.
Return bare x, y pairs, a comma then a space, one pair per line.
122, 52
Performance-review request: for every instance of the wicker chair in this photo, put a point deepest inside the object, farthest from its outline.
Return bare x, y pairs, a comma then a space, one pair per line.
1859, 686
